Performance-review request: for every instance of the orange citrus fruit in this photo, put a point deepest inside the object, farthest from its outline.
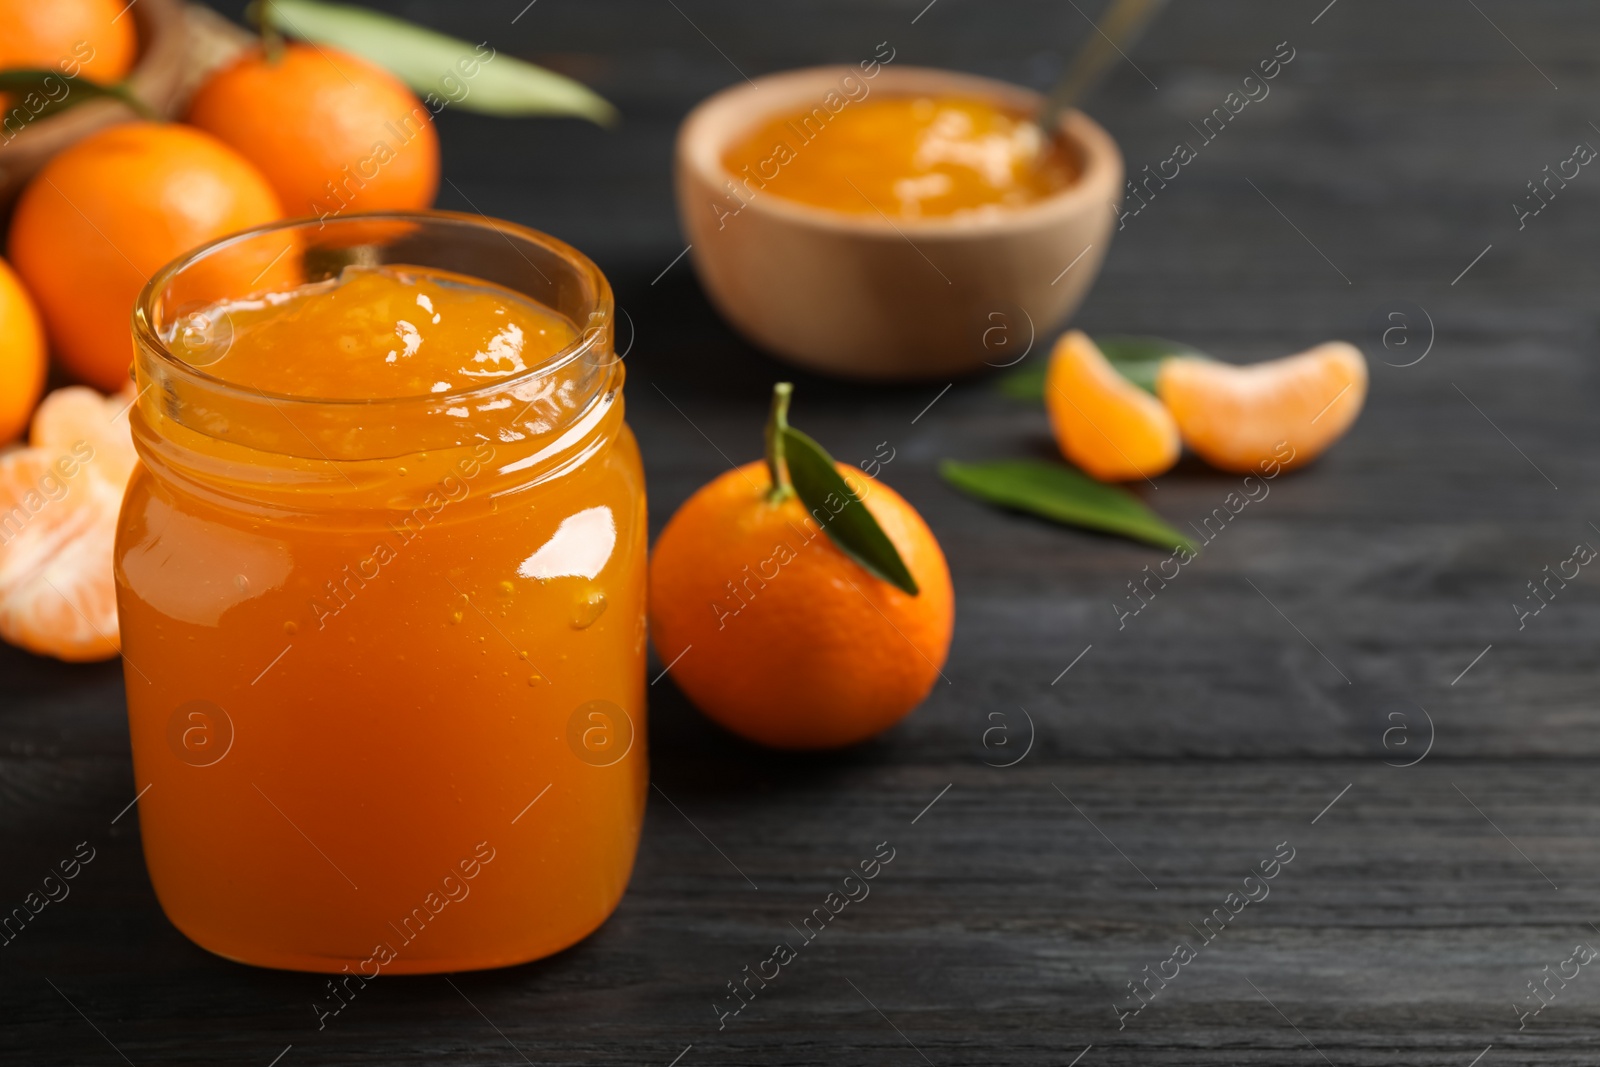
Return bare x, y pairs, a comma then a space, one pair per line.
58, 517
106, 213
22, 355
1237, 418
75, 415
1103, 423
95, 37
332, 132
778, 635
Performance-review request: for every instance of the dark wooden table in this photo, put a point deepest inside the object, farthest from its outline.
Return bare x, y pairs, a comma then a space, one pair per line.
1359, 617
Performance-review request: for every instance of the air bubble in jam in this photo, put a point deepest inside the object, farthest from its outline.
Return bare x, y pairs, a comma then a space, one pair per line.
587, 607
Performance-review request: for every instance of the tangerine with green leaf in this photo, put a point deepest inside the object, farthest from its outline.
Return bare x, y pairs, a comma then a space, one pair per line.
800, 603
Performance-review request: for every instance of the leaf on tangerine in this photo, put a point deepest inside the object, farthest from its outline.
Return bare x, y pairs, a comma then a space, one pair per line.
851, 526
433, 63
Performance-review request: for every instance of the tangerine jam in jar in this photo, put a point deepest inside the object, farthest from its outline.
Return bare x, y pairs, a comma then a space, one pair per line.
381, 580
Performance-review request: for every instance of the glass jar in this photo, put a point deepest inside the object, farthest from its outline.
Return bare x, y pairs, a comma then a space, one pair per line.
384, 657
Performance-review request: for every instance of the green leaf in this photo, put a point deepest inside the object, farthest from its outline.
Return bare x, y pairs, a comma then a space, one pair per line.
1027, 381
429, 62
47, 87
1062, 494
851, 527
1137, 358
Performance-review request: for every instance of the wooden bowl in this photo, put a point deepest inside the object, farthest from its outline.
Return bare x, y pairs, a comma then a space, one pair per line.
178, 46
863, 297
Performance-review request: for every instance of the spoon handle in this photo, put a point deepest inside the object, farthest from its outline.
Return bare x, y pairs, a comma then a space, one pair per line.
1124, 21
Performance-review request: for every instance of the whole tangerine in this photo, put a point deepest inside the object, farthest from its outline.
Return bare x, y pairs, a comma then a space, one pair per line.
22, 355
332, 132
778, 635
95, 38
105, 214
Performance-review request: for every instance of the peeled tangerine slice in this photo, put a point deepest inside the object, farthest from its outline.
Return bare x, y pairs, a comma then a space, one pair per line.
1285, 411
58, 518
77, 416
1104, 423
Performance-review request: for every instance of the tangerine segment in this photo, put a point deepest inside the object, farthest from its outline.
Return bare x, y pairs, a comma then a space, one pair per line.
1104, 423
77, 419
778, 635
1237, 418
58, 513
57, 524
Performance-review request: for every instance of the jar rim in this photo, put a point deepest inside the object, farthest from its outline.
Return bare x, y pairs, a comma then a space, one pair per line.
591, 333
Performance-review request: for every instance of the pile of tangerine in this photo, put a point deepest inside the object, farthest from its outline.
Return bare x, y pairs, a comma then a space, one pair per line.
292, 133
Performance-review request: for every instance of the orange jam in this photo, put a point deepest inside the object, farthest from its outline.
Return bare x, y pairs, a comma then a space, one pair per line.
381, 580
384, 332
907, 157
